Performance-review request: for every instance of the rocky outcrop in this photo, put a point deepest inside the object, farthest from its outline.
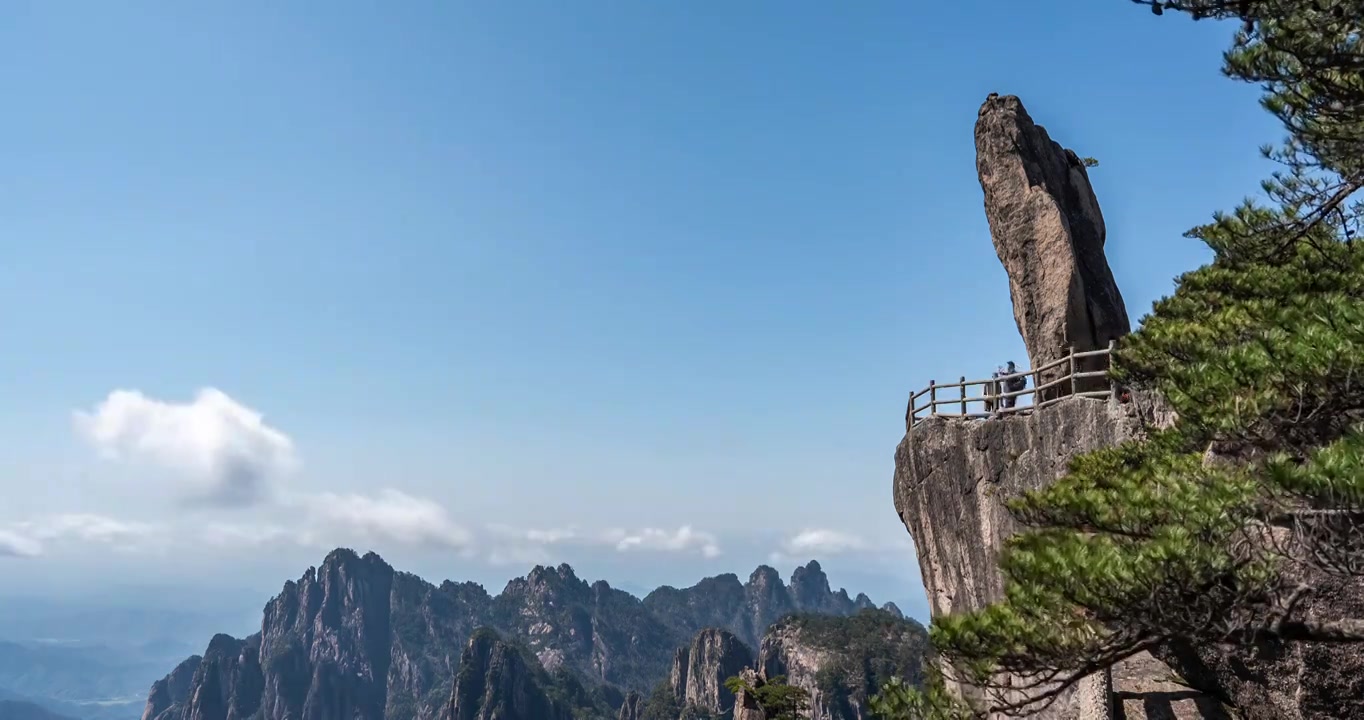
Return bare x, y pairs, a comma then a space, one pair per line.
333, 627
1296, 681
496, 683
355, 638
228, 682
606, 634
836, 660
952, 478
1049, 233
745, 705
172, 690
700, 670
785, 652
810, 592
632, 707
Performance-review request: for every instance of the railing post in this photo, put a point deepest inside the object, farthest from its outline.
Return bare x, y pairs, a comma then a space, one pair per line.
932, 398
1112, 384
1074, 381
963, 396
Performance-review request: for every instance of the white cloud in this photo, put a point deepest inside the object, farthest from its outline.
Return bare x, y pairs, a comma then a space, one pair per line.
221, 447
228, 535
30, 538
823, 541
683, 540
518, 546
15, 545
392, 516
88, 528
550, 536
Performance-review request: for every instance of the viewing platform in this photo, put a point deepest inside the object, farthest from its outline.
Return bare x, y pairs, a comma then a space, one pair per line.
1078, 374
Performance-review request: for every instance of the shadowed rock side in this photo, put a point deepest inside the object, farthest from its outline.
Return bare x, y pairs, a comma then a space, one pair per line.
840, 663
836, 660
745, 705
496, 683
748, 609
172, 690
354, 638
632, 707
1049, 233
700, 670
1298, 681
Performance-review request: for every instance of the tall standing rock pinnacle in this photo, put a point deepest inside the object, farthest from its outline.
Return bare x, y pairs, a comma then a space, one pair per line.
1049, 233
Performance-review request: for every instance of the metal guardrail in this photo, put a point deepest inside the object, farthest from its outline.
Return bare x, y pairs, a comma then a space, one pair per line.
1053, 384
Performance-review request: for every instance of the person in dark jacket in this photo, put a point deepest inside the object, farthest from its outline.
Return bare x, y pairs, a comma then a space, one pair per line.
1011, 384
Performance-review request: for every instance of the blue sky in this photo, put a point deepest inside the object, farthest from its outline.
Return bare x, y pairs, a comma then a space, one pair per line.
621, 266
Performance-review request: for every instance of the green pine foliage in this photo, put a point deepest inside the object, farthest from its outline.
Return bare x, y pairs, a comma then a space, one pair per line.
1204, 533
899, 700
776, 699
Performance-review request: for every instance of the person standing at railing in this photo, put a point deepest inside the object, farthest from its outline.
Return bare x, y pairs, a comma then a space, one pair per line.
1013, 382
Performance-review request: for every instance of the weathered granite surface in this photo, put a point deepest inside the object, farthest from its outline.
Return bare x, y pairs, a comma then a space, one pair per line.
495, 682
701, 669
953, 477
1049, 233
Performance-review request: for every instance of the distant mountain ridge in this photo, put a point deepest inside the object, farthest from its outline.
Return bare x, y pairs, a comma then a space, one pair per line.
355, 638
20, 710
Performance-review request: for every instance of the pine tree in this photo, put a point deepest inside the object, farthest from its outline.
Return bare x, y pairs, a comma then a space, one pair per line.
775, 698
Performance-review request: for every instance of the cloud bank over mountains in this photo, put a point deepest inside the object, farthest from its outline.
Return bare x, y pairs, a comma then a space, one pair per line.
219, 459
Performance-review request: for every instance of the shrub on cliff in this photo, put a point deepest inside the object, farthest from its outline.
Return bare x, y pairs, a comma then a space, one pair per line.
776, 700
1213, 531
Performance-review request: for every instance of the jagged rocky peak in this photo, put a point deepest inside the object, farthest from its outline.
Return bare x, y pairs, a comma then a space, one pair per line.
1048, 232
809, 584
227, 683
171, 691
632, 707
496, 682
354, 637
700, 670
544, 581
765, 576
810, 592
